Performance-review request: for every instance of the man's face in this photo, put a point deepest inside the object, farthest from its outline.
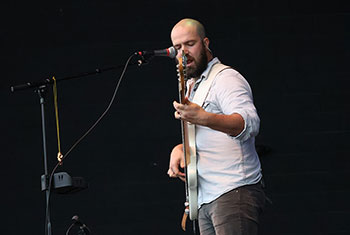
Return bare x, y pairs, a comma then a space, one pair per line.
185, 38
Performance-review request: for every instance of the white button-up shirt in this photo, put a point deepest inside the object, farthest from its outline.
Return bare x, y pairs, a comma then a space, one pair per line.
226, 162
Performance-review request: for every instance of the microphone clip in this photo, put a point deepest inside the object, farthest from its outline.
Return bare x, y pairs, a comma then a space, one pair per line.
142, 59
146, 56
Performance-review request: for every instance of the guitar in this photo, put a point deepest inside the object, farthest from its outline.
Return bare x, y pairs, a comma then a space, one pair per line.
189, 148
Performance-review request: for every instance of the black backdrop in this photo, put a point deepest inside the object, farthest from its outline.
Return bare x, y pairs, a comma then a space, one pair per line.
294, 54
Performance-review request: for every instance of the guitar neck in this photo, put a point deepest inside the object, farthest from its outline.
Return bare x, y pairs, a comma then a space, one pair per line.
189, 148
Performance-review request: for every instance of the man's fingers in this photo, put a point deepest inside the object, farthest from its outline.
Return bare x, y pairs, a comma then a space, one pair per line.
183, 178
175, 104
182, 164
171, 173
177, 115
178, 106
176, 173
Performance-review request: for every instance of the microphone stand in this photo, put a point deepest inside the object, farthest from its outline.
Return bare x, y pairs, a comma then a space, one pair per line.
40, 89
42, 92
36, 84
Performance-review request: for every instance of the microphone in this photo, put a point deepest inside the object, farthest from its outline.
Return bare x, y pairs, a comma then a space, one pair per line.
168, 52
83, 227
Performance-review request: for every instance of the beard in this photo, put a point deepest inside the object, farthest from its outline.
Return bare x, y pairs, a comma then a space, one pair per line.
199, 64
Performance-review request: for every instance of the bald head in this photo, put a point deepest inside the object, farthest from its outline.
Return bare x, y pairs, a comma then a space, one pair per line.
188, 37
193, 24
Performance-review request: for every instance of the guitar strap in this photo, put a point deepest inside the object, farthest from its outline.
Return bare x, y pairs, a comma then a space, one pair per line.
204, 87
199, 98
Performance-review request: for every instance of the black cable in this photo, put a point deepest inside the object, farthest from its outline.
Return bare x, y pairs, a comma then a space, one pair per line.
86, 133
70, 227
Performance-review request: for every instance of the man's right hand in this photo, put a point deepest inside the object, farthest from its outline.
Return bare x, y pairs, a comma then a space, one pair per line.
177, 162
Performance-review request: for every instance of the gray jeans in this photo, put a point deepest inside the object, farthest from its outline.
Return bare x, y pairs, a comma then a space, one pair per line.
233, 213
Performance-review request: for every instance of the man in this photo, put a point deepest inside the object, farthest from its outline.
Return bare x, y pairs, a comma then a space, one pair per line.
230, 195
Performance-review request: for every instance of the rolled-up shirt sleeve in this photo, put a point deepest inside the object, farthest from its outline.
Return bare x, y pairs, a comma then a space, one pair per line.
234, 95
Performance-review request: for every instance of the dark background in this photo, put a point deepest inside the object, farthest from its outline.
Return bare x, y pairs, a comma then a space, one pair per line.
294, 54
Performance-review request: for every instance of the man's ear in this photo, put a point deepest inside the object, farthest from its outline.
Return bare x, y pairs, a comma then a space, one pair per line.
206, 42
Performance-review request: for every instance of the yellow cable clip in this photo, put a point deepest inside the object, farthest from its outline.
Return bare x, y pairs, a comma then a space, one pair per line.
59, 154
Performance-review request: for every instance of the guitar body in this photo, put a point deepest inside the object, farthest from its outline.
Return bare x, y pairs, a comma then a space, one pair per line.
189, 149
191, 168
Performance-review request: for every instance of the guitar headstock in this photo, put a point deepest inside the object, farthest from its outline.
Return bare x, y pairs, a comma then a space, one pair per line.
182, 67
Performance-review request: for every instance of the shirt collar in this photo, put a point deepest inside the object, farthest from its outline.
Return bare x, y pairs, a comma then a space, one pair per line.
205, 74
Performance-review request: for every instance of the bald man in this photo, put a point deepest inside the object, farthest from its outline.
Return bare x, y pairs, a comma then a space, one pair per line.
230, 195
